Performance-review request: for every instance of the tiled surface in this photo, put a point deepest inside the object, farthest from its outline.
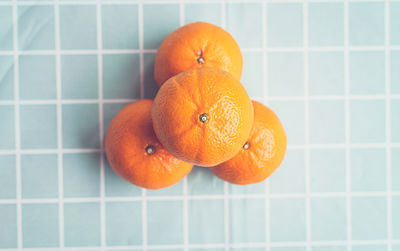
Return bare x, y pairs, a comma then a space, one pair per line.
330, 70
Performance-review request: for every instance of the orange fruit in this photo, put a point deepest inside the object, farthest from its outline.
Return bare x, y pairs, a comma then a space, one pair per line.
261, 155
194, 46
202, 116
135, 153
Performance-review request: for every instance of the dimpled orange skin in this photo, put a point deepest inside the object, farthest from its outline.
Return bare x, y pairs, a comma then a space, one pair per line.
182, 49
128, 135
184, 98
267, 148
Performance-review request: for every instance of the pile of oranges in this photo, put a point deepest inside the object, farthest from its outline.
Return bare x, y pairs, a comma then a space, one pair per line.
201, 116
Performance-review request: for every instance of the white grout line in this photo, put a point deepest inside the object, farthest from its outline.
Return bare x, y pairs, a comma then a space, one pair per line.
101, 123
307, 125
59, 125
153, 51
347, 121
203, 197
333, 146
125, 2
17, 125
388, 126
262, 99
49, 151
141, 45
78, 52
220, 245
226, 185
265, 91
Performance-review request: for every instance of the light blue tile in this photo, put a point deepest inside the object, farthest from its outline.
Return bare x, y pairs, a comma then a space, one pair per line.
6, 78
281, 30
369, 247
368, 172
116, 186
206, 249
156, 249
82, 224
247, 249
37, 77
206, 227
395, 74
8, 226
120, 29
121, 76
288, 249
325, 24
396, 247
174, 249
252, 78
327, 170
38, 126
326, 73
40, 225
395, 120
158, 21
6, 28
80, 127
176, 189
328, 212
395, 169
288, 219
366, 24
246, 31
7, 132
290, 176
150, 85
36, 27
165, 222
123, 223
367, 121
81, 174
367, 72
78, 28
258, 188
368, 211
285, 74
7, 178
39, 176
396, 217
201, 181
79, 76
329, 248
394, 23
206, 12
327, 121
247, 220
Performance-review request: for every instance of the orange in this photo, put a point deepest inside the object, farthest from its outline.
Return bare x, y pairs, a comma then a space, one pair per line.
261, 155
202, 116
135, 153
194, 46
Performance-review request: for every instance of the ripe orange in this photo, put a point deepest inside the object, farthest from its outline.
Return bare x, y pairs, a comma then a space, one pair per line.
261, 155
202, 116
135, 153
194, 46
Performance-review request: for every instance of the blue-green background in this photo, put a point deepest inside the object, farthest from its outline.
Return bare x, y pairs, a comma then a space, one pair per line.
330, 69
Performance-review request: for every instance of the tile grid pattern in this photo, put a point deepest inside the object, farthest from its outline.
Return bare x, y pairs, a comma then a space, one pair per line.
347, 121
388, 128
59, 124
227, 197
